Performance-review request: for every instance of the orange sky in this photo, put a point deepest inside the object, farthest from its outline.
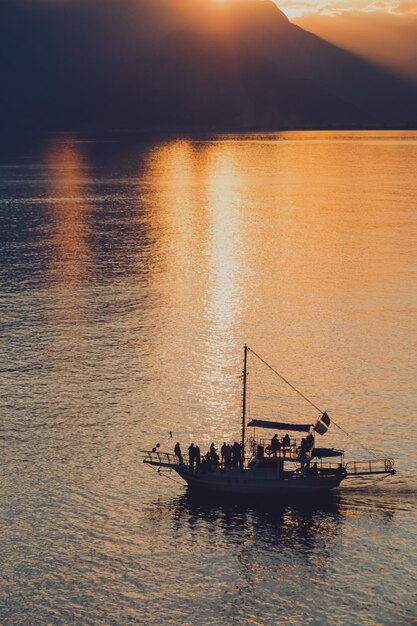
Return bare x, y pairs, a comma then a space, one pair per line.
381, 31
296, 8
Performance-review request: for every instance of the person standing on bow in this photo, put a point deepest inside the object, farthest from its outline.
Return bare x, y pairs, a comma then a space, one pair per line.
178, 453
191, 457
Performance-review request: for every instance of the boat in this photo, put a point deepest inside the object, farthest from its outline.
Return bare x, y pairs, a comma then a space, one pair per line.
271, 467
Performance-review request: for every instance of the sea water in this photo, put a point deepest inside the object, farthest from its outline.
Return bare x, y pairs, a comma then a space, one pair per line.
133, 270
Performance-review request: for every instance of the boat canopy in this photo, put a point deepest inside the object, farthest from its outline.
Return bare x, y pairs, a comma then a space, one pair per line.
305, 428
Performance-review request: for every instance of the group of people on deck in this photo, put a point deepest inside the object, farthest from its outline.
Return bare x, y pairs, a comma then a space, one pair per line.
230, 456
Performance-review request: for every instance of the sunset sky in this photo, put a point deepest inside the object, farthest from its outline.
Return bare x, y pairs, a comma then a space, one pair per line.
298, 7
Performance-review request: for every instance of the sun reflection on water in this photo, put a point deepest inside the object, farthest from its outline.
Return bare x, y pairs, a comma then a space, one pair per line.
224, 301
66, 171
196, 217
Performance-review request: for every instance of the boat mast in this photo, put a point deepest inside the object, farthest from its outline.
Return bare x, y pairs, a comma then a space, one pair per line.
245, 359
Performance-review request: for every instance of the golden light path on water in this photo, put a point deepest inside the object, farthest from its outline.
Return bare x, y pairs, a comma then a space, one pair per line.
231, 244
133, 271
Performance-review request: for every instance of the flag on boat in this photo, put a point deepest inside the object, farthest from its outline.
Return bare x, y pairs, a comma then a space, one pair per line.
322, 424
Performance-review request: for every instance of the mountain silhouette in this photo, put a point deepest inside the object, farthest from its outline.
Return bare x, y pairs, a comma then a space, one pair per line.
183, 65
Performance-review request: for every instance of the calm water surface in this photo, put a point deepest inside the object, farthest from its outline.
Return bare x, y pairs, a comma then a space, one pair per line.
132, 273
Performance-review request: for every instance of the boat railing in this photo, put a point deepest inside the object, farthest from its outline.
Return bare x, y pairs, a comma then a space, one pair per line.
326, 464
320, 469
294, 443
156, 457
370, 466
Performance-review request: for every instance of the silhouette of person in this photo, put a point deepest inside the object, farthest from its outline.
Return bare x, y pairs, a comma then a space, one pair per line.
214, 457
228, 456
286, 441
191, 457
178, 453
206, 462
236, 453
275, 445
302, 449
310, 442
197, 456
223, 452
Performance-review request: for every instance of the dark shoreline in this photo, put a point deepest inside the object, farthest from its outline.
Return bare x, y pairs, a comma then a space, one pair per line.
14, 133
